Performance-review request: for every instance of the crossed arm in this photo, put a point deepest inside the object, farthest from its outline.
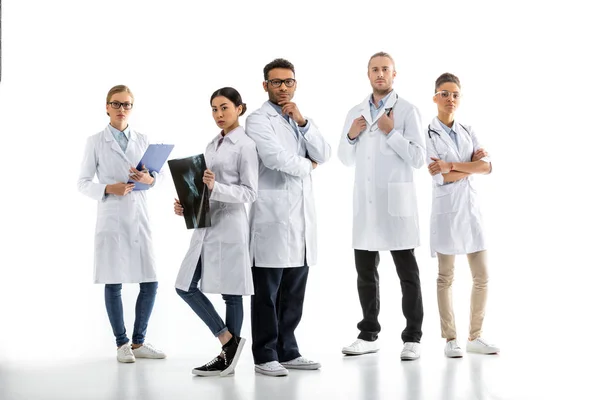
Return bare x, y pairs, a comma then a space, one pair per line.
452, 172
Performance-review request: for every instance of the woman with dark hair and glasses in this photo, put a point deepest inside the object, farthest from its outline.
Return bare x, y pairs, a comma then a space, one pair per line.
456, 226
218, 260
123, 242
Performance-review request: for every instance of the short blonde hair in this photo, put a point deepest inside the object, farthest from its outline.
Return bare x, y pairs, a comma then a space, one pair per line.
382, 54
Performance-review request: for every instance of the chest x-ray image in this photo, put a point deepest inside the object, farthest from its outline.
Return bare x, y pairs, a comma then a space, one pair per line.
192, 192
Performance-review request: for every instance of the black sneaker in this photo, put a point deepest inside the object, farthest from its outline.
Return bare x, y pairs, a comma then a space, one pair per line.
213, 367
231, 353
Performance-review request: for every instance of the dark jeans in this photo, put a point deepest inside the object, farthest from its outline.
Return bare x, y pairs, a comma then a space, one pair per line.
234, 308
143, 310
368, 293
276, 309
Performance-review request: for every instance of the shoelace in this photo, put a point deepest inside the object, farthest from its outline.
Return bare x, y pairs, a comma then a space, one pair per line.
272, 365
213, 361
454, 345
411, 346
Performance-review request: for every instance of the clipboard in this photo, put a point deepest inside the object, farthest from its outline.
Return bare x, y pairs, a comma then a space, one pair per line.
153, 159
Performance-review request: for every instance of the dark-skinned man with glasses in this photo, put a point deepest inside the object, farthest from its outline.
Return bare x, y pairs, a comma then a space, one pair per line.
283, 242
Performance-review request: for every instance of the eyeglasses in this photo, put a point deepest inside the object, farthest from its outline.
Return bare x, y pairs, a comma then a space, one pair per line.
277, 82
117, 104
445, 94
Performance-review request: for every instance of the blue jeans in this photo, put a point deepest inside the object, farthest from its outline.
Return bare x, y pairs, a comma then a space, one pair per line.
143, 309
234, 308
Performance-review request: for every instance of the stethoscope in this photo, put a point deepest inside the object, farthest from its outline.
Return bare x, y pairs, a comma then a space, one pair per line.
429, 130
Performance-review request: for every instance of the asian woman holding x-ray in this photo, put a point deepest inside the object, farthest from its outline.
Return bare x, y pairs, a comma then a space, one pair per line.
218, 259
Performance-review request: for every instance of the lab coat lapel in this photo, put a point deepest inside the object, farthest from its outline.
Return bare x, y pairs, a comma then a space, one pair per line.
437, 126
115, 146
389, 103
464, 138
278, 120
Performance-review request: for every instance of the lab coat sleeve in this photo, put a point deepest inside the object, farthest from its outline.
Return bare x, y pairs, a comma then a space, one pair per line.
273, 155
438, 179
347, 150
477, 146
246, 190
318, 149
89, 165
409, 145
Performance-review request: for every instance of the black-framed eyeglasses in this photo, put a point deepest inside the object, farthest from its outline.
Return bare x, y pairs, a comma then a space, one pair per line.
277, 82
117, 104
445, 94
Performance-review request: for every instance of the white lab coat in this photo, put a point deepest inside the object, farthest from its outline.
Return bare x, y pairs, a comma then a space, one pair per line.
456, 224
384, 199
224, 246
283, 218
123, 251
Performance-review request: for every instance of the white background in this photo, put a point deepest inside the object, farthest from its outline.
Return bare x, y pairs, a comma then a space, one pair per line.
530, 82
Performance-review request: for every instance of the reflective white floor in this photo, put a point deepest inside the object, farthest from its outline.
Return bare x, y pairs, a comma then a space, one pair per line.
374, 376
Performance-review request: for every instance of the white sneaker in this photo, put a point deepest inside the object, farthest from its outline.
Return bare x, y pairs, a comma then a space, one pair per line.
271, 368
452, 350
301, 363
360, 347
124, 354
146, 350
481, 346
411, 351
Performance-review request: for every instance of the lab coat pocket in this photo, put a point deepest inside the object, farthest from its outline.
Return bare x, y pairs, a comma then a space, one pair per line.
270, 243
234, 258
271, 206
108, 216
444, 200
402, 199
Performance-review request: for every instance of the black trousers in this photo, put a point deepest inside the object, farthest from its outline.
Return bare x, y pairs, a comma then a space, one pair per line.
368, 293
276, 310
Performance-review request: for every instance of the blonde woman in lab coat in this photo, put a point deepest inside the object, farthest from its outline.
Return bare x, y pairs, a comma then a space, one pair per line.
123, 243
218, 260
455, 158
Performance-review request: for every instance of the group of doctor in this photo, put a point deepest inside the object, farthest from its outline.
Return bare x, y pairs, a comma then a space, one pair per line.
267, 254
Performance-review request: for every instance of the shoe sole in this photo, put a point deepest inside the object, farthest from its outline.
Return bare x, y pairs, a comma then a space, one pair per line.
309, 367
152, 358
205, 373
409, 358
482, 352
126, 361
358, 353
236, 357
270, 373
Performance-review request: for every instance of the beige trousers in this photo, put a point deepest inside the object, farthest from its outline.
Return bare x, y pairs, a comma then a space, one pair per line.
478, 264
